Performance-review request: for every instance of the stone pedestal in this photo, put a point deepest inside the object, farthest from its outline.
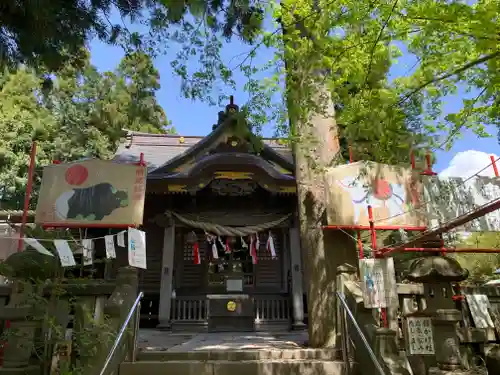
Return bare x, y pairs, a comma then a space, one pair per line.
438, 371
446, 340
386, 350
493, 360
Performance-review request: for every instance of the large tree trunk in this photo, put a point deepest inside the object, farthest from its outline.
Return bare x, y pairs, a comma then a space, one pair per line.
325, 250
316, 148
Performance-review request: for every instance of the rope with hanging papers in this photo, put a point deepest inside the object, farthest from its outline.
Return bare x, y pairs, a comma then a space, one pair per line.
224, 230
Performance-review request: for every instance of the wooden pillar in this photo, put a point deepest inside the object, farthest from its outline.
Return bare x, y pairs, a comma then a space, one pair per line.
296, 269
285, 261
166, 277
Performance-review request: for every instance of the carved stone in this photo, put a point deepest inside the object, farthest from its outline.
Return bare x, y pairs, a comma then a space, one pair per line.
20, 337
493, 360
446, 340
436, 269
386, 350
437, 273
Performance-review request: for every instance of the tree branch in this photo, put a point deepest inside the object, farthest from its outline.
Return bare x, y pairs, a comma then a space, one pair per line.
378, 39
459, 70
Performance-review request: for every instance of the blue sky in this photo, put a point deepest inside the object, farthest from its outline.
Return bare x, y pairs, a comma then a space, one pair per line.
196, 118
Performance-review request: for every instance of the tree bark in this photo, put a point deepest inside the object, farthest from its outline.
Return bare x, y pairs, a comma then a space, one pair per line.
324, 250
316, 147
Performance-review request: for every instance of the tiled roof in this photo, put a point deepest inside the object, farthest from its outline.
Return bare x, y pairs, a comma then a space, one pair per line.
160, 148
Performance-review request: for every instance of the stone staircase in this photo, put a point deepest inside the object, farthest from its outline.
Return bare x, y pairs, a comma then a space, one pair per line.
231, 354
236, 362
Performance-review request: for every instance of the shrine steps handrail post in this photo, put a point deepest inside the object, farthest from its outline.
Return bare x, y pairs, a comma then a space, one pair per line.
134, 310
345, 336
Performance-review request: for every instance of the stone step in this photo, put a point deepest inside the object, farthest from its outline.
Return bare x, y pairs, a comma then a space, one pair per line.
253, 367
240, 355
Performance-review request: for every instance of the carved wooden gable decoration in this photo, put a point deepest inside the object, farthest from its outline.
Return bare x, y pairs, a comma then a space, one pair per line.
230, 161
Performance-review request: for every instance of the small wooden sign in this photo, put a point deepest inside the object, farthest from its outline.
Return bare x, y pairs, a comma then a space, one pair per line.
479, 306
420, 337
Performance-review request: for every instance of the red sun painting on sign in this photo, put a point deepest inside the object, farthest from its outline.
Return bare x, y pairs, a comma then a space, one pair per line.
76, 175
383, 189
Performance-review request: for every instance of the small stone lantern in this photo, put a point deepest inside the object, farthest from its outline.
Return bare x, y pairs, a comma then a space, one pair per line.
437, 273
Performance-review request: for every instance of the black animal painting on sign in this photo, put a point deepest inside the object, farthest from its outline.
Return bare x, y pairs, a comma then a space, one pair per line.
91, 203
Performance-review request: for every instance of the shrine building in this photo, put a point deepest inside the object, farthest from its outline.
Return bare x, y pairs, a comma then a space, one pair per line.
220, 216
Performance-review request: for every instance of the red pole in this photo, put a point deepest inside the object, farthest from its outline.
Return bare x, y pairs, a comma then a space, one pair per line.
428, 171
494, 164
412, 158
27, 195
373, 232
360, 246
141, 159
350, 154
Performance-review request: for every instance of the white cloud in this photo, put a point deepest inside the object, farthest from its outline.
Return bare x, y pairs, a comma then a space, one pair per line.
466, 163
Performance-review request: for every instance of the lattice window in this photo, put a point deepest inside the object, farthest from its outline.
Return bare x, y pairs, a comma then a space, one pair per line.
187, 243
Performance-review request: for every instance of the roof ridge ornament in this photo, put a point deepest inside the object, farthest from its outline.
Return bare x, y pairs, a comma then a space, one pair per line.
231, 109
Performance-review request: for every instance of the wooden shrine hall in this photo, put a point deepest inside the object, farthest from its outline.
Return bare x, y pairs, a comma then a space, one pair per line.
222, 236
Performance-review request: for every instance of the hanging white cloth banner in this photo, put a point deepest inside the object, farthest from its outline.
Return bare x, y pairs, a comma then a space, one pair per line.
213, 245
109, 241
37, 246
137, 248
270, 245
120, 238
215, 253
87, 250
244, 245
254, 245
65, 254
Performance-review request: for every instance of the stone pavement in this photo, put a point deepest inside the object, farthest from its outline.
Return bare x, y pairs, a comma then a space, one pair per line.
155, 340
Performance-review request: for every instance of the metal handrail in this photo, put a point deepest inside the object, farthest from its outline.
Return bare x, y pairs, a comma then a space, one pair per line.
345, 307
133, 309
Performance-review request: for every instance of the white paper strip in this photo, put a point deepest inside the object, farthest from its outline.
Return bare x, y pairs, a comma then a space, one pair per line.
270, 245
65, 254
109, 241
215, 253
87, 247
137, 248
37, 246
120, 238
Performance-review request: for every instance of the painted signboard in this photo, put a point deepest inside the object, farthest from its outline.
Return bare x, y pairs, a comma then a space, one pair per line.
479, 306
91, 193
451, 197
393, 192
378, 283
